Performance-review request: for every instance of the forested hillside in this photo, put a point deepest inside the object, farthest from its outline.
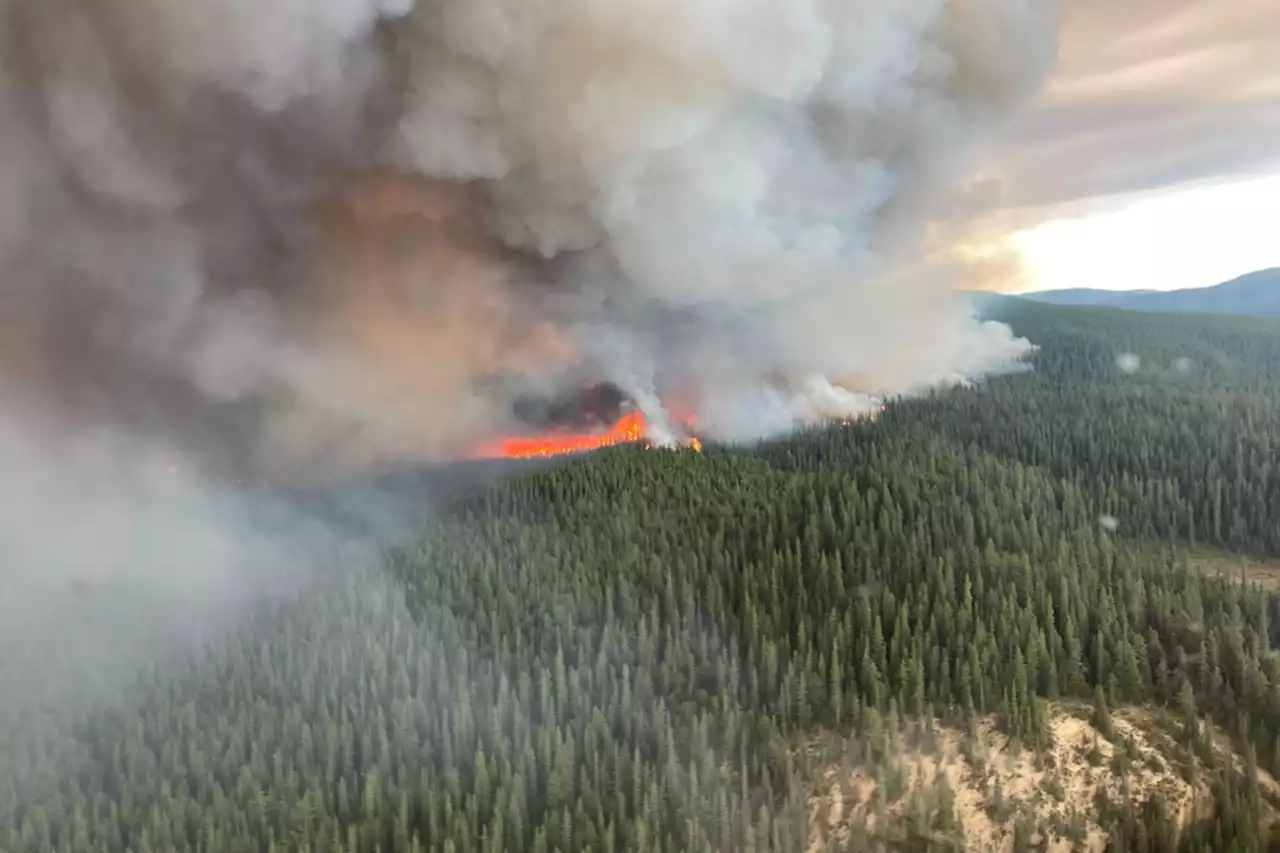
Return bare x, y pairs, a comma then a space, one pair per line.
671, 651
1255, 294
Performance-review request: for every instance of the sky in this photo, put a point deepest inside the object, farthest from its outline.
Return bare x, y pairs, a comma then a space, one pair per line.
1151, 159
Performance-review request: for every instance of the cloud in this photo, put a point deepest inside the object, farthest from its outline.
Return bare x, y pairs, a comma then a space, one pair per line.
1147, 94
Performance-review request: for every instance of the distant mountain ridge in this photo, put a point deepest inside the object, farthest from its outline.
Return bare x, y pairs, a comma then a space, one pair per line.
1255, 294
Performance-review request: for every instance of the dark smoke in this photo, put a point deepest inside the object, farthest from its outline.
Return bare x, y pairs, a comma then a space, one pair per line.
590, 407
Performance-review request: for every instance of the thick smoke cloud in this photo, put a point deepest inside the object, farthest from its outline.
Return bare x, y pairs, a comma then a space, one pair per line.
296, 240
291, 236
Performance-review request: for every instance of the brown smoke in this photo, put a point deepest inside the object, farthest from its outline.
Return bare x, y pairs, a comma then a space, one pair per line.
299, 236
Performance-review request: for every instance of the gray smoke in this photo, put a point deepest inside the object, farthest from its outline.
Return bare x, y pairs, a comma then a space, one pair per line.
280, 235
304, 238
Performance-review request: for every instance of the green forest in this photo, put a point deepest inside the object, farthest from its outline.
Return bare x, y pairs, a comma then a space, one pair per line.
665, 652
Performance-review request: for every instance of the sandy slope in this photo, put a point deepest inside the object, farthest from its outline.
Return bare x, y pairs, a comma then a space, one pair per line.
994, 787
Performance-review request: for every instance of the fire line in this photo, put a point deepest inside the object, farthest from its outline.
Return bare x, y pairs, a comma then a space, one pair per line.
629, 429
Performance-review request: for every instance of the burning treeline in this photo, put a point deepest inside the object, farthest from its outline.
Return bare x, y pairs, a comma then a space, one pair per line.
284, 235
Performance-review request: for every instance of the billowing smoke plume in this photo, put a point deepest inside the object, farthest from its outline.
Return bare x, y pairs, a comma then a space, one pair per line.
288, 234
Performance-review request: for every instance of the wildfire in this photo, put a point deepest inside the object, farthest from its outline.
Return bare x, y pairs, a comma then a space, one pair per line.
630, 428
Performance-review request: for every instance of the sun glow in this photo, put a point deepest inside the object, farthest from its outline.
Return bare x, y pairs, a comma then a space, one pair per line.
1191, 238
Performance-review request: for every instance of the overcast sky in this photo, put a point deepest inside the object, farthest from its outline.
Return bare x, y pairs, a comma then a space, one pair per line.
1153, 107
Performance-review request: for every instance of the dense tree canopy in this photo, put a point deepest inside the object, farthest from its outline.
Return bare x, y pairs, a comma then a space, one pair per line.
622, 652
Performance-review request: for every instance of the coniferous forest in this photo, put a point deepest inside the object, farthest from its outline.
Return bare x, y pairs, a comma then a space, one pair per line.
670, 651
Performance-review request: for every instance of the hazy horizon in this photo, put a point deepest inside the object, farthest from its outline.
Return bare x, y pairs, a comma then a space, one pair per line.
1137, 288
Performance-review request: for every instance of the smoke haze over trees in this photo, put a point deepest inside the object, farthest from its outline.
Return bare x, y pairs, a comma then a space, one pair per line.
629, 651
289, 242
296, 241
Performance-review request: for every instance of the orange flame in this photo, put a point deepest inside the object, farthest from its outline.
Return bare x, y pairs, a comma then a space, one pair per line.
630, 428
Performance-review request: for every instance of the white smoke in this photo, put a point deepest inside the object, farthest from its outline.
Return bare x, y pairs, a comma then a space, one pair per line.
743, 415
720, 195
759, 161
243, 237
